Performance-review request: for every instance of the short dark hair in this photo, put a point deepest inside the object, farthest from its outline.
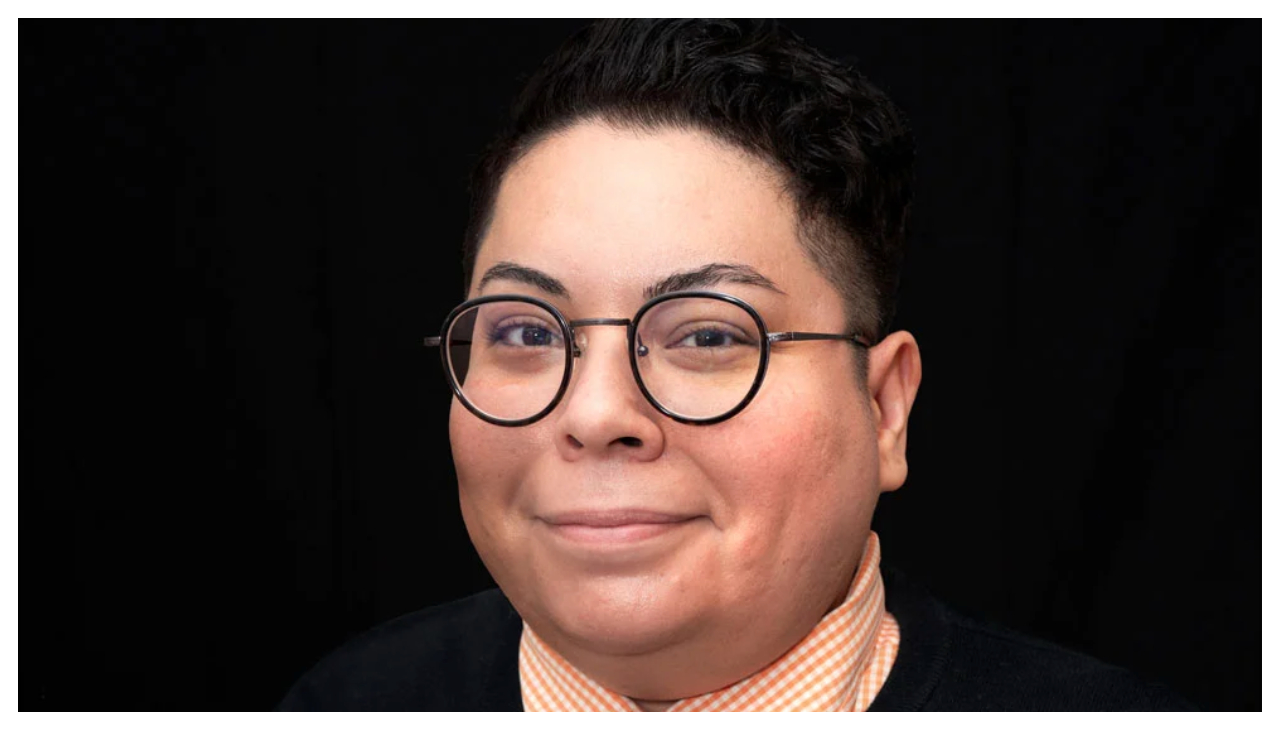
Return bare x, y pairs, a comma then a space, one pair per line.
844, 149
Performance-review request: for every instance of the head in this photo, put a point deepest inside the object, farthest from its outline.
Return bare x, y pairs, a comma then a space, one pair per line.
732, 158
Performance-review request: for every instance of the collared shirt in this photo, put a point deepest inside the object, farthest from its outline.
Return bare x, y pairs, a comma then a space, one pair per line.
840, 666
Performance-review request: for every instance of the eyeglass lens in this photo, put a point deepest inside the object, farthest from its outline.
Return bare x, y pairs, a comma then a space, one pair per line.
698, 357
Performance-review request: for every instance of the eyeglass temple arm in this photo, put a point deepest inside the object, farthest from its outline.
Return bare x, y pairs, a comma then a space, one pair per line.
802, 336
435, 342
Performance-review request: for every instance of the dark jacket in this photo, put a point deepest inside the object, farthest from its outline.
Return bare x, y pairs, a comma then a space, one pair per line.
462, 656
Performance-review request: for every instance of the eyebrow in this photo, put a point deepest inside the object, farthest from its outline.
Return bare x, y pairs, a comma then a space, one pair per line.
507, 271
708, 276
699, 278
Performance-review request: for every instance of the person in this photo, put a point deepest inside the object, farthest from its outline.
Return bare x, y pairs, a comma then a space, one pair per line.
677, 400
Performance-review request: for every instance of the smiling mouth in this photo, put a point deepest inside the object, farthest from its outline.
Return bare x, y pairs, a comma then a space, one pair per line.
614, 527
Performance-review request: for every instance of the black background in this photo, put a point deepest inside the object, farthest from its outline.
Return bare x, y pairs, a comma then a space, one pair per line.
236, 234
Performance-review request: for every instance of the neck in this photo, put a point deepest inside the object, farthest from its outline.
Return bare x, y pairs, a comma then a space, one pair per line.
653, 705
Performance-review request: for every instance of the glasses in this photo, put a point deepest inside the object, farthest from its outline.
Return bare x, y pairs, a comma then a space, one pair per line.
699, 357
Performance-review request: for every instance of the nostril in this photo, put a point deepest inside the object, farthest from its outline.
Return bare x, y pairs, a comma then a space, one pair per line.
575, 443
630, 441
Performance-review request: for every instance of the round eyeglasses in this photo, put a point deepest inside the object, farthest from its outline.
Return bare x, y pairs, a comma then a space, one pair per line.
699, 357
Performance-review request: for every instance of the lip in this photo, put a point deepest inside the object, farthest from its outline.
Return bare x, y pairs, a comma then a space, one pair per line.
614, 518
614, 527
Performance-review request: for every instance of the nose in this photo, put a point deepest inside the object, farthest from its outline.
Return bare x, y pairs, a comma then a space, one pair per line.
604, 413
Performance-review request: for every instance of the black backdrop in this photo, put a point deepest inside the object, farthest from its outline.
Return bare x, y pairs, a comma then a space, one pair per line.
235, 235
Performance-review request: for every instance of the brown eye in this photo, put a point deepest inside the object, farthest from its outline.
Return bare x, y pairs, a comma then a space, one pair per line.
524, 334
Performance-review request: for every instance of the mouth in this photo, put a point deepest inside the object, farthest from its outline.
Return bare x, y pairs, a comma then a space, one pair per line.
614, 527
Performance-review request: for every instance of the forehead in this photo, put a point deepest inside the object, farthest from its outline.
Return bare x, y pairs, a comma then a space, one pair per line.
609, 210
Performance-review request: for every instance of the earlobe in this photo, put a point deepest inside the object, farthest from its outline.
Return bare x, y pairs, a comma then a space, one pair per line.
893, 379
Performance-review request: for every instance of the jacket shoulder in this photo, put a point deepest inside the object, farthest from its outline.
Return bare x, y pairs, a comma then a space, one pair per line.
953, 662
456, 656
997, 668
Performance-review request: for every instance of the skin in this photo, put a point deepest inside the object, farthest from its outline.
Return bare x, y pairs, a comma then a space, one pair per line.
775, 503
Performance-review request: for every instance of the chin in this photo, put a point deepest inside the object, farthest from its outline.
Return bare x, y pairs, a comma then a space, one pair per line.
614, 615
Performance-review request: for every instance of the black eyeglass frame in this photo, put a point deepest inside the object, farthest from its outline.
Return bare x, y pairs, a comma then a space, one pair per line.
568, 329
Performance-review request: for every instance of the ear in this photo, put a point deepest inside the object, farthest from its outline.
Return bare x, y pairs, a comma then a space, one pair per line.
893, 377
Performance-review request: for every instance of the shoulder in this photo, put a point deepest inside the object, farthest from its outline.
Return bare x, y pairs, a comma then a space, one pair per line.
994, 667
457, 656
950, 661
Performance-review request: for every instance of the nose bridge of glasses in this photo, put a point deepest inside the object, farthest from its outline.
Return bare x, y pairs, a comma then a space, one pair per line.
575, 324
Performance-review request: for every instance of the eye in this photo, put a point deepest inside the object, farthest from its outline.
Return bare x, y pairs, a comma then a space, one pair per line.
709, 336
524, 334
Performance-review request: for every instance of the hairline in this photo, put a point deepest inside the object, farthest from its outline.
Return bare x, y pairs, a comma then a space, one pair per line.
815, 231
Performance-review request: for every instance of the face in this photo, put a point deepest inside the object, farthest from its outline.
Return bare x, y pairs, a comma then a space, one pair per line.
661, 558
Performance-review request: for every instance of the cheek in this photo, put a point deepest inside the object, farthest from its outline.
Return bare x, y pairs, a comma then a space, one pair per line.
491, 464
799, 471
466, 443
489, 461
